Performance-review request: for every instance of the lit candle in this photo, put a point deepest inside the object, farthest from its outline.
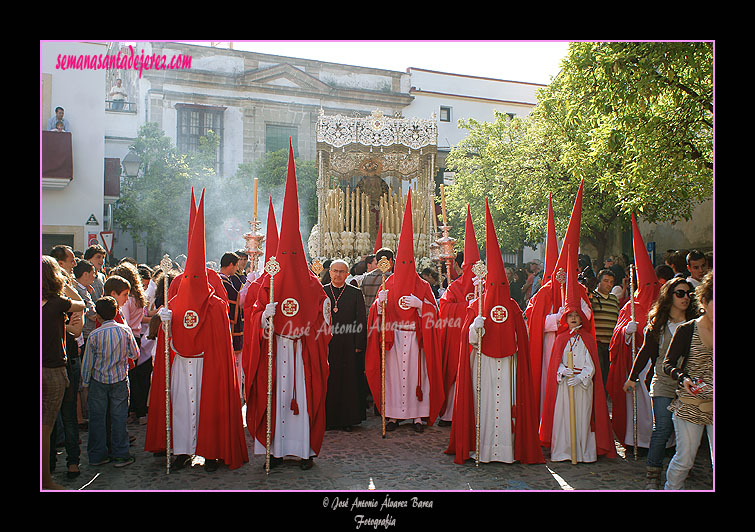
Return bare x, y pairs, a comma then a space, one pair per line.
443, 203
255, 199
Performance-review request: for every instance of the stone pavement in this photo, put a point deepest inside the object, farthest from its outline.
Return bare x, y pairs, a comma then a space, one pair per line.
351, 461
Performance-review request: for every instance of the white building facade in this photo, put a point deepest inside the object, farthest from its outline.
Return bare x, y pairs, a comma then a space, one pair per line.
71, 210
255, 102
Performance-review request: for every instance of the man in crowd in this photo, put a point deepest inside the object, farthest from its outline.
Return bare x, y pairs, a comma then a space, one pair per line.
345, 403
605, 308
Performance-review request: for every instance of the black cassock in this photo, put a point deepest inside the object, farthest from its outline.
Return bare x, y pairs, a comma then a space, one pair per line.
345, 402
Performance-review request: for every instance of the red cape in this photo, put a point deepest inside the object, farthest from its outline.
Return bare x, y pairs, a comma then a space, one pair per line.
428, 337
452, 309
600, 421
525, 412
220, 433
621, 365
539, 306
315, 355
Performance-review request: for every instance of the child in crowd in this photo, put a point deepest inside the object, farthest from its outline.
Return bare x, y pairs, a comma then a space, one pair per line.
104, 371
575, 338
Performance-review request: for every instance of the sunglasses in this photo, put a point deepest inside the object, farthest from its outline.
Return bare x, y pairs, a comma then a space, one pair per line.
681, 293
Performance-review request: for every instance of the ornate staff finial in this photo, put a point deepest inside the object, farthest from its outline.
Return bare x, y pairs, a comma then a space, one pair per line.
384, 264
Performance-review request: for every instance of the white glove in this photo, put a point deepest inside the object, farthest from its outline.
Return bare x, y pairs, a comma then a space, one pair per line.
269, 312
564, 371
166, 315
552, 321
476, 330
572, 381
412, 301
382, 296
475, 280
631, 327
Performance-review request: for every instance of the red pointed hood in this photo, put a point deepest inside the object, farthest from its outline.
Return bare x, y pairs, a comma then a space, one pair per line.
296, 288
471, 250
497, 306
648, 287
551, 245
271, 234
405, 276
573, 298
570, 246
379, 238
464, 284
194, 291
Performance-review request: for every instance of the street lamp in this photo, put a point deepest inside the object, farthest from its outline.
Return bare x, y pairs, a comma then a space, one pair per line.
131, 163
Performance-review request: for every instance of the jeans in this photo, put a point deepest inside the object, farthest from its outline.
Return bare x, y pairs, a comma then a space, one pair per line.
68, 416
101, 397
688, 438
663, 428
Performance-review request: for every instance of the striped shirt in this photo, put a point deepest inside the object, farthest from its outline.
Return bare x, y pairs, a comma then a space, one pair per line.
606, 312
107, 352
699, 364
371, 283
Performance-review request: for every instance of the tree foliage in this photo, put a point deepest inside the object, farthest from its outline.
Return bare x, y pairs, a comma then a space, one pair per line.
634, 120
153, 205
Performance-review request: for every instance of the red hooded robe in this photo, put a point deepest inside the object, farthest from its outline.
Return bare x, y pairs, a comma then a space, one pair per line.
547, 300
600, 422
622, 358
271, 245
300, 310
453, 307
505, 335
403, 282
201, 326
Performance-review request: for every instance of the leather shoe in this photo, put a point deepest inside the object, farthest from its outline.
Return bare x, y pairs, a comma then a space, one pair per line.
443, 423
274, 462
419, 428
73, 474
306, 463
211, 465
391, 426
180, 461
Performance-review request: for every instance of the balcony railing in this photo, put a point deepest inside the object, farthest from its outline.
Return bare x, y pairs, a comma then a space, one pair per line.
120, 106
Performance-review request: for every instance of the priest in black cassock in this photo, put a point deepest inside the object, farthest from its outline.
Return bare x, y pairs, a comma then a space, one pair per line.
345, 402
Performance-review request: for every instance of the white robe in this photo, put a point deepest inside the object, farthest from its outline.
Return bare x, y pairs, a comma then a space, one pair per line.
185, 398
402, 371
497, 385
291, 434
549, 338
448, 414
583, 398
644, 414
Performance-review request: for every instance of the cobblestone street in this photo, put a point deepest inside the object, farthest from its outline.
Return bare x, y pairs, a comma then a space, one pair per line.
403, 461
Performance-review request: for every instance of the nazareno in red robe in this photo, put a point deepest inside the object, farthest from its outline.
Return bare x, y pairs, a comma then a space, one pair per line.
428, 338
524, 413
294, 281
220, 428
622, 357
453, 308
220, 433
599, 422
315, 356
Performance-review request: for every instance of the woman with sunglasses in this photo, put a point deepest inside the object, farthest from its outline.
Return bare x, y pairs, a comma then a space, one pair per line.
673, 307
689, 361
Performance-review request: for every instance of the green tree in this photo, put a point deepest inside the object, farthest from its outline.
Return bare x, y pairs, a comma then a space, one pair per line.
633, 119
153, 205
644, 113
271, 171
